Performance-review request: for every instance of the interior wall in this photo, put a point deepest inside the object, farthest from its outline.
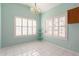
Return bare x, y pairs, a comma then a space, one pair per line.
0, 25
7, 25
9, 11
72, 41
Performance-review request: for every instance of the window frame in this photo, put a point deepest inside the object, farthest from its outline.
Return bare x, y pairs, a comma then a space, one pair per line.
23, 26
65, 26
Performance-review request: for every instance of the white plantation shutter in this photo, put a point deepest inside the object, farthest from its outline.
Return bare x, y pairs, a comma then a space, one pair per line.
25, 26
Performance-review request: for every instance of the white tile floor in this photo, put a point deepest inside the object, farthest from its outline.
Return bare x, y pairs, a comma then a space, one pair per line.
36, 48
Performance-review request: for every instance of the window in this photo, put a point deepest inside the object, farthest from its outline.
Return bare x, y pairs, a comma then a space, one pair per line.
34, 27
56, 26
18, 26
62, 27
29, 27
25, 26
49, 27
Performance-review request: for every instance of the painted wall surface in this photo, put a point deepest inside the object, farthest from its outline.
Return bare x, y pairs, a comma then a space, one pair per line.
72, 41
9, 11
0, 25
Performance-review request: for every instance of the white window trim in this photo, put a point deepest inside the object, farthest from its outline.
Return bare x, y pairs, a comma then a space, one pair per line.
23, 26
64, 38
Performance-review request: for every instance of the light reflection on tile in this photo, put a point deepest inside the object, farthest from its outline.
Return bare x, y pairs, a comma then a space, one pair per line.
36, 48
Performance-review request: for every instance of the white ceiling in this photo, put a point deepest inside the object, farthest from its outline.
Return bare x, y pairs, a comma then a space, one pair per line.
43, 6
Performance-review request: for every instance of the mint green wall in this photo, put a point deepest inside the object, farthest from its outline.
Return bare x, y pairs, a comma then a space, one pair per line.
9, 11
0, 25
72, 41
73, 36
7, 25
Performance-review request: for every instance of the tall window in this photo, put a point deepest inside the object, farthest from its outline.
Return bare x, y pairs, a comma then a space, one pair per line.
25, 26
62, 27
49, 27
34, 27
29, 27
56, 26
18, 26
